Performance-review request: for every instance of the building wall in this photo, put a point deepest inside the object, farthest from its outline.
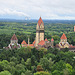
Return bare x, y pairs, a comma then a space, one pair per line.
37, 38
14, 41
39, 33
63, 40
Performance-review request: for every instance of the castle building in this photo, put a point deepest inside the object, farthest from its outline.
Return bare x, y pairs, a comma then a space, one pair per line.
39, 41
64, 44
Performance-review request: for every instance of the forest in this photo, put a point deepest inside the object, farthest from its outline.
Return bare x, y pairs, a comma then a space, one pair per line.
30, 61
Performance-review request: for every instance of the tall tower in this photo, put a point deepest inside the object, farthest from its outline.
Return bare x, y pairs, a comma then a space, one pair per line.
39, 31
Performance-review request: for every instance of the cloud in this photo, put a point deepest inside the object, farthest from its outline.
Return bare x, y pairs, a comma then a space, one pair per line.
12, 12
48, 9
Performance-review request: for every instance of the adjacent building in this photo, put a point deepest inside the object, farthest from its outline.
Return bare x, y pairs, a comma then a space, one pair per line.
14, 42
64, 44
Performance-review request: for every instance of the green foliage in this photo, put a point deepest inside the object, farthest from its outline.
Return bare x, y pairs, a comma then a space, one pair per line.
5, 73
24, 61
57, 72
42, 73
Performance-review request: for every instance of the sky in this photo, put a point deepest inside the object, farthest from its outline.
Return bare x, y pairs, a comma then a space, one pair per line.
33, 9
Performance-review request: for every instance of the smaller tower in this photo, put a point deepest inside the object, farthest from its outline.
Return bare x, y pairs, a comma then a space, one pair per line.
74, 28
52, 42
14, 40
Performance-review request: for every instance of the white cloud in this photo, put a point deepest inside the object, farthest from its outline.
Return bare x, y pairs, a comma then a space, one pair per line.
51, 9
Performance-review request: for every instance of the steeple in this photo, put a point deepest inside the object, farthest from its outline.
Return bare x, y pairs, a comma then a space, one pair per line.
52, 39
40, 21
63, 36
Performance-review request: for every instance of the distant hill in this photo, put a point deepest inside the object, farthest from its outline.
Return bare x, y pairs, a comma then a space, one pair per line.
34, 21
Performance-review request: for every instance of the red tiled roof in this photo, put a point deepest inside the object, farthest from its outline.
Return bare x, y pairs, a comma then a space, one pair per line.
63, 36
40, 21
31, 45
14, 37
42, 42
52, 39
23, 42
34, 42
71, 46
46, 39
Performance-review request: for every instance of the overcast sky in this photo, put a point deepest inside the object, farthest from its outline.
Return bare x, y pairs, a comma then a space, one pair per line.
47, 9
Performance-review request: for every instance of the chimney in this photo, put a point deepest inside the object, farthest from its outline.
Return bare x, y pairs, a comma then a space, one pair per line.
28, 41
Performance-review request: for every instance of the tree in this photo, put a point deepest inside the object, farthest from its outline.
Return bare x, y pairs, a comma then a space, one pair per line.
5, 73
57, 72
19, 69
28, 72
14, 59
65, 71
22, 61
42, 73
59, 66
28, 63
45, 63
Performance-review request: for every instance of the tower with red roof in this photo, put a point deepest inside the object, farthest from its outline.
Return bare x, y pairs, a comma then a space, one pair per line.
63, 42
14, 39
39, 31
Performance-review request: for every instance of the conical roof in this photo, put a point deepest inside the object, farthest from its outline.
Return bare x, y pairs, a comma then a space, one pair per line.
23, 42
40, 21
63, 36
46, 39
14, 37
52, 39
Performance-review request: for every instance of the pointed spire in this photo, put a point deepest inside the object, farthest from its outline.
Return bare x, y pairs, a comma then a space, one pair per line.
63, 36
40, 21
14, 37
52, 39
46, 39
